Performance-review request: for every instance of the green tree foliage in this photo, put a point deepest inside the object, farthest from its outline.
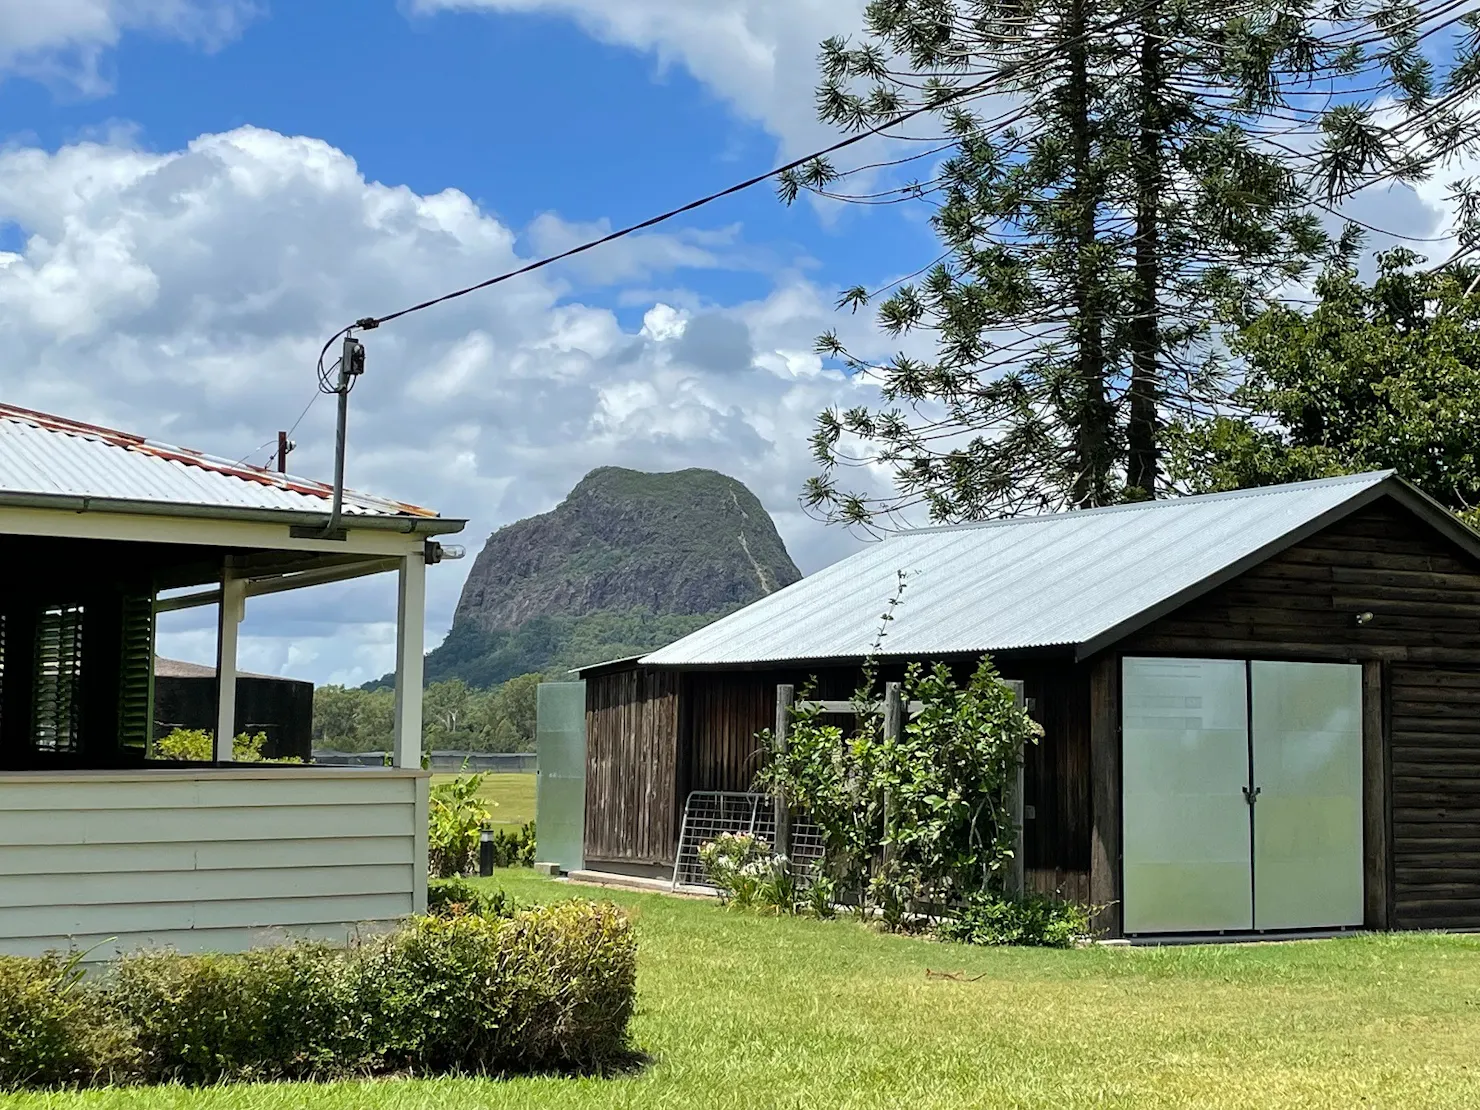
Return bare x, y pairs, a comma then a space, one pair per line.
1375, 376
455, 717
199, 745
1120, 180
553, 645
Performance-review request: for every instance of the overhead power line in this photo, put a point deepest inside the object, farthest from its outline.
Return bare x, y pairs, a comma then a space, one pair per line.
930, 104
369, 322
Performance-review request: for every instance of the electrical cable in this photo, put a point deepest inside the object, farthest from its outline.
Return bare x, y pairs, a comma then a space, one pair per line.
932, 104
370, 322
1430, 14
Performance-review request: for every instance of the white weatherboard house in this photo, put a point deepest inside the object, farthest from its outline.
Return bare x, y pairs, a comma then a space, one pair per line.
106, 849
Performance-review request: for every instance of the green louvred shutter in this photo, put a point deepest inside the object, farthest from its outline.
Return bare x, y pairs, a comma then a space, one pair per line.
136, 673
57, 706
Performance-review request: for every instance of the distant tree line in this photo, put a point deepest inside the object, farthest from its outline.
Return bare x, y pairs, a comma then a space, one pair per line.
553, 645
455, 717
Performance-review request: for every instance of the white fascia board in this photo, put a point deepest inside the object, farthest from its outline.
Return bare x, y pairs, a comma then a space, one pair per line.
144, 528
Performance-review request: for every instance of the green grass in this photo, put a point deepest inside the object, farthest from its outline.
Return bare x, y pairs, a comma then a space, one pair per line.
509, 797
741, 1011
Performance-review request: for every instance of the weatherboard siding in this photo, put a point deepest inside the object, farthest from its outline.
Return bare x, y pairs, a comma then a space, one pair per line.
217, 859
1435, 790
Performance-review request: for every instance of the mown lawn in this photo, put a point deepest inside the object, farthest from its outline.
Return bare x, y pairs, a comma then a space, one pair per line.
739, 1011
509, 797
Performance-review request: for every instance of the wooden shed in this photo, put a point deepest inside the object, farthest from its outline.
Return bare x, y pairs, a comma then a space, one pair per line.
1261, 709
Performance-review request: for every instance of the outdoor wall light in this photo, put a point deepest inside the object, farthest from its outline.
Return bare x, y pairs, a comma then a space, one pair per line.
435, 552
1363, 618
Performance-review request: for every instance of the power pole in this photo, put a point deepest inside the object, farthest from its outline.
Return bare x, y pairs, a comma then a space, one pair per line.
351, 366
285, 446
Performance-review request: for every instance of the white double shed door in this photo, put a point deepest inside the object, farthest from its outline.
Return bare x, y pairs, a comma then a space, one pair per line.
1242, 795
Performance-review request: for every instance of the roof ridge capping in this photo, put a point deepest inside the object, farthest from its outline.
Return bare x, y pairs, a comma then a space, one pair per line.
1363, 480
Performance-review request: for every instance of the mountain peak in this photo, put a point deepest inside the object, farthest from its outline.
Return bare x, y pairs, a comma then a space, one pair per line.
685, 542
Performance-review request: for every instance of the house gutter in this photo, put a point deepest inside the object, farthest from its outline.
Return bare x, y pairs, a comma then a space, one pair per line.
404, 524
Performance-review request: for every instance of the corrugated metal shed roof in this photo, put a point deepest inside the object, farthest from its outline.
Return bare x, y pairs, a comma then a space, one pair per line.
179, 668
1081, 578
46, 455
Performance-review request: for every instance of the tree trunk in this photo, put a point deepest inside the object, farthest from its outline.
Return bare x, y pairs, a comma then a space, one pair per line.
1145, 331
1094, 416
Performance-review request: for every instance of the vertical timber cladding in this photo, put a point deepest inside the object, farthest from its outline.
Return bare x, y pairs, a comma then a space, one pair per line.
1056, 779
1423, 596
631, 766
723, 711
1435, 796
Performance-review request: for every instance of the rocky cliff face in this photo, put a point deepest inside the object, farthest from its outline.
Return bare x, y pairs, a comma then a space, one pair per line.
689, 542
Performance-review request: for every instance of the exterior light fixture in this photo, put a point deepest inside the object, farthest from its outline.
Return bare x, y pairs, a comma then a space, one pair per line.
1363, 619
436, 552
485, 853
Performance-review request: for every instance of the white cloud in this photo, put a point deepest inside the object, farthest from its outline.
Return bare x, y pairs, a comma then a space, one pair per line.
64, 40
184, 296
759, 55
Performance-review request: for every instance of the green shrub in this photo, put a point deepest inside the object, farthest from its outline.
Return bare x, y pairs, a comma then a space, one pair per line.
456, 817
199, 745
1034, 919
273, 1013
748, 875
456, 897
514, 847
492, 991
550, 988
55, 1030
739, 866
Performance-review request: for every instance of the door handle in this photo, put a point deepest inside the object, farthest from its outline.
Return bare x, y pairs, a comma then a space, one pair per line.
1250, 796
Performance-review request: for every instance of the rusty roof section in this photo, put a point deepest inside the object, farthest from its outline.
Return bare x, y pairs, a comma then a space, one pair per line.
53, 455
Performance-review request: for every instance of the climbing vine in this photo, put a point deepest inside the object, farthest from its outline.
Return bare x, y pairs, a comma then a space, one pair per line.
914, 820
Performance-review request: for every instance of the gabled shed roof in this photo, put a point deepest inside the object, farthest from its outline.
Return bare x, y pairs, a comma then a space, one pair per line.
1081, 580
50, 459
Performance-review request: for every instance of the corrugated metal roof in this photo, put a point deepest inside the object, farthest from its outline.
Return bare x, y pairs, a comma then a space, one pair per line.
1064, 579
52, 456
179, 668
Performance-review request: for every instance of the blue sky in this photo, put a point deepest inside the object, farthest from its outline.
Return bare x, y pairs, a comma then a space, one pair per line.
194, 193
524, 112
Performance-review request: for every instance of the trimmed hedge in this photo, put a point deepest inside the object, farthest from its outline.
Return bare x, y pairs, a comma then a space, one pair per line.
53, 1033
457, 897
544, 989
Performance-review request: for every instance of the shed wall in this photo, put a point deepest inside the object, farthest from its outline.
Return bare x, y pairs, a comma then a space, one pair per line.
631, 767
633, 812
1423, 593
210, 860
1435, 796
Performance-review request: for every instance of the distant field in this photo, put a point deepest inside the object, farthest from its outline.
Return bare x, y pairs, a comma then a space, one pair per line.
509, 797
